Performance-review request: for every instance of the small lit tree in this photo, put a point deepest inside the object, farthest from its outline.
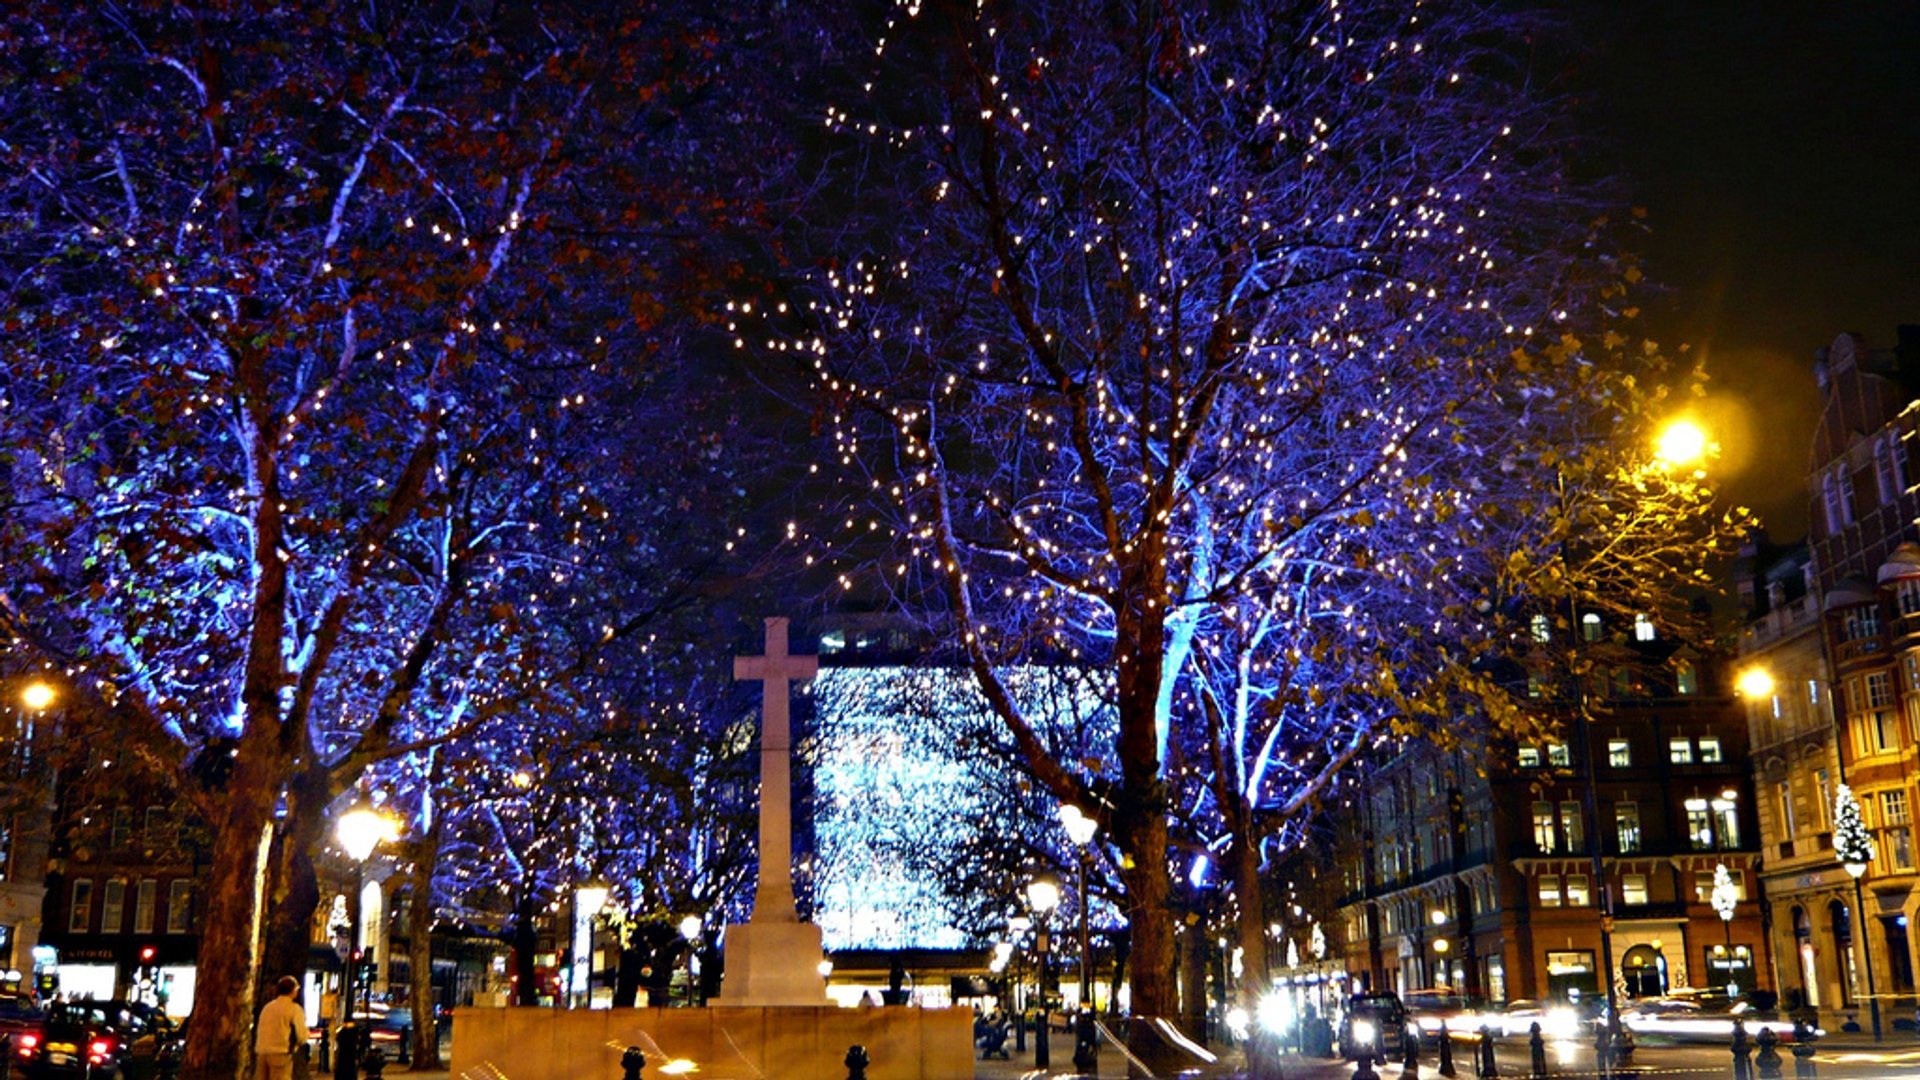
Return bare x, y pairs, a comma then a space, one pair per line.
1852, 845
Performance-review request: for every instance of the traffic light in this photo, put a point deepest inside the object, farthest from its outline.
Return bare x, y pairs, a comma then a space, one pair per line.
146, 955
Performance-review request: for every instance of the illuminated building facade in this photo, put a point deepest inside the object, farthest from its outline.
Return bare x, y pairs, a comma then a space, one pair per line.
1474, 871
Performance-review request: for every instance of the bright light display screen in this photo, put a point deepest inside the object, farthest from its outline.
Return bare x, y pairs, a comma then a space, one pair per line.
893, 794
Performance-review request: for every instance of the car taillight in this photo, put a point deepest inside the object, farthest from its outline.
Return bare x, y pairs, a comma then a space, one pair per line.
29, 1042
100, 1047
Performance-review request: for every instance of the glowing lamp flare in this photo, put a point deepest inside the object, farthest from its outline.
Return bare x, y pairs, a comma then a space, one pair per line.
592, 896
690, 927
1681, 442
1755, 683
362, 829
38, 695
1043, 894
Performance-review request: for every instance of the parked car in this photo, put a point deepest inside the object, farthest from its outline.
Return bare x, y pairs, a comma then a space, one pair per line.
94, 1040
1375, 1025
18, 1013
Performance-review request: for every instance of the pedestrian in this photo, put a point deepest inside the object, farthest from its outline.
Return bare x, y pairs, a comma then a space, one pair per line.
281, 1031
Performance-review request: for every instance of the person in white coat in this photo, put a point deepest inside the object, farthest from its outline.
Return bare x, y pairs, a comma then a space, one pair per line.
282, 1030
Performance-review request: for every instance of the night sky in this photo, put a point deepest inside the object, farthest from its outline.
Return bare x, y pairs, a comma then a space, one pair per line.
1776, 148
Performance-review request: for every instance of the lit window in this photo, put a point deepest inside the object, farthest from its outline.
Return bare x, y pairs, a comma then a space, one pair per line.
1626, 824
1686, 679
1783, 798
1699, 825
1862, 623
1557, 755
1537, 686
1549, 890
1529, 757
1577, 891
1619, 753
1642, 627
1710, 750
1908, 592
1633, 888
1570, 828
1898, 834
80, 911
113, 907
1879, 690
1590, 626
1543, 831
1680, 751
1727, 818
1542, 629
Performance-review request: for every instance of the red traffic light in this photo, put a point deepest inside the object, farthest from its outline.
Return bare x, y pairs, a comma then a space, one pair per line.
146, 955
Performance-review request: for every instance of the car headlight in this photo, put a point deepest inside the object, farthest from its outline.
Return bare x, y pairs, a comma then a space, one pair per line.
1429, 1023
1364, 1033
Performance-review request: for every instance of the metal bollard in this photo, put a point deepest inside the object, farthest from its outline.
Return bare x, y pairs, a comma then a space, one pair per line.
375, 1064
406, 1047
1537, 1046
346, 1055
1803, 1038
1042, 1046
631, 1063
1768, 1061
1446, 1052
857, 1062
326, 1045
1742, 1051
1019, 1032
6, 1055
1363, 1068
1410, 1063
1488, 1065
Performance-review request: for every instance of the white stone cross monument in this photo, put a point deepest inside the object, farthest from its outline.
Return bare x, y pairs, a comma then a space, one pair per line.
774, 958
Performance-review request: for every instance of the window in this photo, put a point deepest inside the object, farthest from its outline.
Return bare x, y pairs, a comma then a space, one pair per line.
1529, 757
1680, 751
1879, 690
1549, 890
1862, 623
144, 896
113, 907
1577, 891
1557, 756
1619, 753
1838, 513
1686, 678
1898, 835
1626, 826
1813, 693
1877, 732
1537, 686
1890, 466
122, 827
80, 911
1633, 888
1727, 817
179, 906
158, 824
1907, 591
1783, 802
1543, 831
1699, 825
1570, 827
1590, 626
1642, 627
1542, 629
1710, 750
1823, 787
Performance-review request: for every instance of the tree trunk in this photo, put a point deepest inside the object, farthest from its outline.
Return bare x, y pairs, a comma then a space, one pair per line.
1250, 892
1154, 985
292, 888
524, 943
1193, 982
630, 972
230, 924
426, 1032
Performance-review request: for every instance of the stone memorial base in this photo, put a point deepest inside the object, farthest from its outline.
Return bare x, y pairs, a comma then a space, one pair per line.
773, 963
723, 1043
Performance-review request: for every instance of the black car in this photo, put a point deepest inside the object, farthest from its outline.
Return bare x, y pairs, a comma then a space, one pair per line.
94, 1040
1375, 1026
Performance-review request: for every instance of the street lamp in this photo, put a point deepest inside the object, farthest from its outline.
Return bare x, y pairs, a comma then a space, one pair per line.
1081, 829
38, 695
359, 831
1681, 442
690, 928
1854, 848
589, 899
1724, 898
1043, 895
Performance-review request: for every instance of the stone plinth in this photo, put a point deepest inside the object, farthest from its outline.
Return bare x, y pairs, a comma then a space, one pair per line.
773, 963
904, 1043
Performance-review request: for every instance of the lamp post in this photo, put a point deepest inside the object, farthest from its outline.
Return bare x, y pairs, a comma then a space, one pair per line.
1043, 895
1724, 898
38, 695
1854, 848
1081, 829
359, 831
690, 928
589, 898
